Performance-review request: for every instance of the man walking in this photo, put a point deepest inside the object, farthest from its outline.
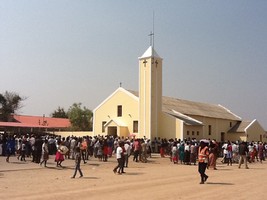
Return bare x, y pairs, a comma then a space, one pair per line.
119, 154
78, 163
243, 151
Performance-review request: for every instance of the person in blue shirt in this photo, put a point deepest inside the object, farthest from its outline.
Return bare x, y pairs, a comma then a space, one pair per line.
10, 147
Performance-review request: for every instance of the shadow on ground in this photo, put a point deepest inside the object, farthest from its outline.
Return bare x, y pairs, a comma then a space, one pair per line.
89, 177
133, 173
214, 183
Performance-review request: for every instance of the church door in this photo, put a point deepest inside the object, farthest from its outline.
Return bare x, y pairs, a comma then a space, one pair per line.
112, 130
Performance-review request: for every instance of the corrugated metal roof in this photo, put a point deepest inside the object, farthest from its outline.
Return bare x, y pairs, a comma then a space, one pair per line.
37, 121
198, 109
17, 124
44, 121
187, 120
193, 108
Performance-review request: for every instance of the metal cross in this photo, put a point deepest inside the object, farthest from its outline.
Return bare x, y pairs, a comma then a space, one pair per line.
151, 35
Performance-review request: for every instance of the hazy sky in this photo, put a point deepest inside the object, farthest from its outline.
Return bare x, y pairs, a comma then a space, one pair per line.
57, 53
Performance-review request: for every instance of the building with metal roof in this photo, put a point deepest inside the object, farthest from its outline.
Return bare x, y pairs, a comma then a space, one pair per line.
147, 113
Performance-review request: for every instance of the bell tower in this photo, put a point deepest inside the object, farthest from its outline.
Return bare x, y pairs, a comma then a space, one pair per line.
150, 93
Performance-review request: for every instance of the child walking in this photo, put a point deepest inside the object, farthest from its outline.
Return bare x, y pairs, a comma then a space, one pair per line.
77, 163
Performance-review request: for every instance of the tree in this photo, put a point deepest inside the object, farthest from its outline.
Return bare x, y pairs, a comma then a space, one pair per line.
80, 118
59, 113
10, 102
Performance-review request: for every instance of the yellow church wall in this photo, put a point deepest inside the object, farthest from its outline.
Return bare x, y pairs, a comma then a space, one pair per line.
215, 128
156, 96
108, 111
191, 131
242, 137
124, 132
223, 126
169, 127
255, 132
237, 137
145, 98
150, 95
73, 133
145, 114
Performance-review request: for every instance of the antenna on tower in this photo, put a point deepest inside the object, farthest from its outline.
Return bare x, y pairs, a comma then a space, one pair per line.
153, 28
151, 35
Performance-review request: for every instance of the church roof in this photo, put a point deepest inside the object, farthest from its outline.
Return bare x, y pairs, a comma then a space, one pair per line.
240, 127
197, 109
185, 107
187, 120
116, 121
150, 52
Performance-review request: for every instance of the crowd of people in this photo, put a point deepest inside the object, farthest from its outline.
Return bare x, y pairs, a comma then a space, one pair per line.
38, 147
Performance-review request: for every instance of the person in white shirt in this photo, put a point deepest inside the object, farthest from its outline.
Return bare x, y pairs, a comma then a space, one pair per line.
225, 152
127, 152
174, 155
119, 152
235, 152
73, 143
45, 153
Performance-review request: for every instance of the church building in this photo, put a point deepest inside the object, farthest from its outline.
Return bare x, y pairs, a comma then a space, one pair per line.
146, 113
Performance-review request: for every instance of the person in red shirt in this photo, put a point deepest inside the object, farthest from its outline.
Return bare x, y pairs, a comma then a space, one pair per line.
136, 147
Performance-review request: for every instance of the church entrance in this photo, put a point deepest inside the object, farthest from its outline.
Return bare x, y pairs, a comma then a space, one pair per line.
112, 130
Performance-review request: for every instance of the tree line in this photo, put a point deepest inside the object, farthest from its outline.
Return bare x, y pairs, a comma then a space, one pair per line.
80, 117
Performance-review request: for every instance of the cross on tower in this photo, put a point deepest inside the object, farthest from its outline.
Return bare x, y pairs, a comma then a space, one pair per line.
151, 35
156, 63
145, 62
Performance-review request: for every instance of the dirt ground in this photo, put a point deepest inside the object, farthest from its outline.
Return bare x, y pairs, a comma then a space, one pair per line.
157, 179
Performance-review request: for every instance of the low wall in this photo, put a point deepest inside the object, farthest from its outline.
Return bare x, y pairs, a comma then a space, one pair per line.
74, 133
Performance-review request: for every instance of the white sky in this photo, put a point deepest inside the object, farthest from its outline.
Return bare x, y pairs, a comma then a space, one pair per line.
60, 52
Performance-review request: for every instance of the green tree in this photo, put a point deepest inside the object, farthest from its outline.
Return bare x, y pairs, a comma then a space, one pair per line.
80, 118
10, 102
59, 113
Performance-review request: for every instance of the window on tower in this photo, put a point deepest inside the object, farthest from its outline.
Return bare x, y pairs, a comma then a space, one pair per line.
119, 111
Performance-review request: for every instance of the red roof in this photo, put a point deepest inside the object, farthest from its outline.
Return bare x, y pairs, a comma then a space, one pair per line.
37, 121
17, 124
